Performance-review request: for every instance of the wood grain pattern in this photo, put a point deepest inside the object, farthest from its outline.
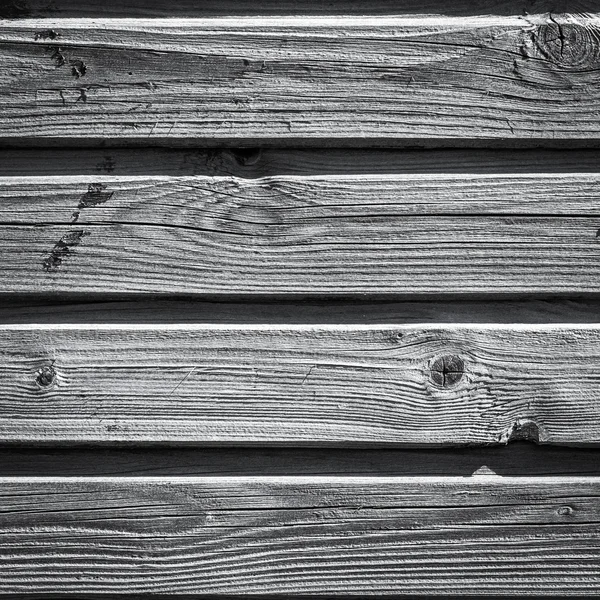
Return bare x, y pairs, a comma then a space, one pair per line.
300, 384
325, 80
402, 234
300, 535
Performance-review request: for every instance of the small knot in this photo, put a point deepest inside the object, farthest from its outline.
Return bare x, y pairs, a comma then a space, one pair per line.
447, 371
565, 510
46, 376
569, 44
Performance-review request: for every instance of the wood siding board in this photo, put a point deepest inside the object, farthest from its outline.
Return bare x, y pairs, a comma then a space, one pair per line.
300, 535
300, 384
323, 80
332, 235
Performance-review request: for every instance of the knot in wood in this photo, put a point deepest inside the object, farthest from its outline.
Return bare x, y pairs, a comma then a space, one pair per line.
567, 45
46, 376
565, 510
447, 371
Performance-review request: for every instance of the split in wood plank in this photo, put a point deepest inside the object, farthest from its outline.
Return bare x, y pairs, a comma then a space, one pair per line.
300, 535
405, 385
323, 80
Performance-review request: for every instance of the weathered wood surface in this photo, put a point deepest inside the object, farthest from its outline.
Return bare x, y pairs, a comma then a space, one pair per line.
402, 234
300, 535
263, 162
300, 384
324, 80
514, 459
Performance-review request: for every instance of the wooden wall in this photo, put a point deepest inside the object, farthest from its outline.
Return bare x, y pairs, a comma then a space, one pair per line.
299, 298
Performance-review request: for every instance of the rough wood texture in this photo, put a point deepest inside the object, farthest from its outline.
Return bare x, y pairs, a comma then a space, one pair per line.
300, 535
402, 234
327, 80
263, 162
319, 385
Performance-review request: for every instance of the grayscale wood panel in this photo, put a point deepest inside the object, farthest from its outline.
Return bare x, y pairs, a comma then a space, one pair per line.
334, 235
406, 385
321, 80
300, 535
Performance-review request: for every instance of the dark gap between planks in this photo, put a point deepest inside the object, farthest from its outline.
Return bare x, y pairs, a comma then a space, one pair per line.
265, 162
515, 459
17, 9
93, 309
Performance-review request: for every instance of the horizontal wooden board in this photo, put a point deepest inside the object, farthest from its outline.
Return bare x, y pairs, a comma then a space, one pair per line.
515, 459
300, 384
300, 535
324, 80
330, 235
264, 162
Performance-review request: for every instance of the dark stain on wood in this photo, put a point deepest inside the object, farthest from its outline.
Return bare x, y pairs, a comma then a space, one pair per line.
46, 34
93, 197
63, 249
78, 68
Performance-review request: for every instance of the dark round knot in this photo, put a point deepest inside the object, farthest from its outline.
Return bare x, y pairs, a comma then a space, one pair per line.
447, 371
46, 376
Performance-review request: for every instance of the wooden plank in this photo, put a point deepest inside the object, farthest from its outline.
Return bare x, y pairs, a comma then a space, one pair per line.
514, 459
330, 235
264, 162
44, 309
300, 535
300, 384
323, 80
